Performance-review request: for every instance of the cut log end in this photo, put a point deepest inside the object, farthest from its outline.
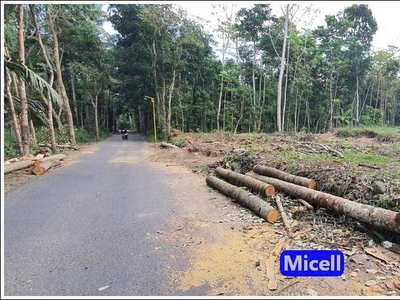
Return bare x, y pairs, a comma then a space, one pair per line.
312, 184
270, 191
38, 170
397, 218
272, 216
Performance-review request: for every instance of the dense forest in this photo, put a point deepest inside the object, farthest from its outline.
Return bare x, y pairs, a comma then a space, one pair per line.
66, 77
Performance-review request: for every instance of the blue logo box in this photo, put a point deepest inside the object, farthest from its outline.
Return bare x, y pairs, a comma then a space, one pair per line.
312, 263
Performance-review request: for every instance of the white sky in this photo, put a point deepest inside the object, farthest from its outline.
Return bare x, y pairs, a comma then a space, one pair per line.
386, 14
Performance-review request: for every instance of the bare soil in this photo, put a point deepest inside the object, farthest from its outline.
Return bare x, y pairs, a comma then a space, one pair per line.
229, 246
14, 179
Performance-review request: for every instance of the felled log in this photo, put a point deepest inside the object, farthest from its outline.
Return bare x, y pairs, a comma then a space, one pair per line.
17, 166
256, 204
375, 216
52, 157
65, 146
237, 178
43, 166
272, 172
168, 145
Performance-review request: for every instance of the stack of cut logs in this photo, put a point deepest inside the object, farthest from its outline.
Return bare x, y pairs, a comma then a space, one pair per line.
38, 164
264, 180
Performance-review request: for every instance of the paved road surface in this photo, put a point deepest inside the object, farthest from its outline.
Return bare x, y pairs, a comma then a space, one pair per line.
85, 226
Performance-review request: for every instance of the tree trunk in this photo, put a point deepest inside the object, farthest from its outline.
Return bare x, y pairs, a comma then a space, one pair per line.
13, 115
268, 171
237, 178
74, 96
286, 85
374, 216
49, 104
256, 204
33, 132
241, 114
43, 166
25, 136
17, 166
220, 101
282, 67
169, 113
60, 81
96, 114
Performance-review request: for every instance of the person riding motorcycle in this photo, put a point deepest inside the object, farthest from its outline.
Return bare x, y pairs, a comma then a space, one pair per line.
124, 133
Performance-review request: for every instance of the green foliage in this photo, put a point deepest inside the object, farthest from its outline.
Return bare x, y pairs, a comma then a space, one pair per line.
373, 116
344, 118
10, 144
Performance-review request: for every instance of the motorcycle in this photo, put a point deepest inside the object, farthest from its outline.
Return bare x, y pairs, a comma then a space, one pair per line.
125, 136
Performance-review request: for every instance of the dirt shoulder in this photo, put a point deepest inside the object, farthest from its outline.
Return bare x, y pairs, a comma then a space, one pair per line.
231, 249
15, 179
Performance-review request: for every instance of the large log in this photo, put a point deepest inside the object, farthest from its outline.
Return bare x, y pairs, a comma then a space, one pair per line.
237, 178
17, 166
375, 216
256, 204
168, 145
43, 166
52, 157
272, 172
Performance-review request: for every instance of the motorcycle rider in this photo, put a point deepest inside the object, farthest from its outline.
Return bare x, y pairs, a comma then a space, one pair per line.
124, 134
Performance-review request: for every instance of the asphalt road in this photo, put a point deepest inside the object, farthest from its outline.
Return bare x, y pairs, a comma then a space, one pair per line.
86, 226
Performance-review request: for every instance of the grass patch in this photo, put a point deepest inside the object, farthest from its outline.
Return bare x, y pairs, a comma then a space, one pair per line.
371, 159
381, 133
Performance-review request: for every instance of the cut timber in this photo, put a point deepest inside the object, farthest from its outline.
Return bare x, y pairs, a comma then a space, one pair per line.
375, 216
17, 166
272, 172
52, 157
41, 168
66, 146
256, 185
256, 204
167, 145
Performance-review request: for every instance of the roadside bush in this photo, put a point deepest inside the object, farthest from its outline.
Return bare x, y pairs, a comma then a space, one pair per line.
10, 144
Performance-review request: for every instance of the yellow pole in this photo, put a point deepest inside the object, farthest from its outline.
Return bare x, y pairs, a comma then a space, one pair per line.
154, 121
154, 117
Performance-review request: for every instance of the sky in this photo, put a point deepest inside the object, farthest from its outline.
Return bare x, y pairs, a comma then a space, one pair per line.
386, 14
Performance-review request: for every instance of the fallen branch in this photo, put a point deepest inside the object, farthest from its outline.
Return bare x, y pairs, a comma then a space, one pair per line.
375, 216
256, 204
368, 166
272, 172
306, 204
283, 215
326, 147
237, 178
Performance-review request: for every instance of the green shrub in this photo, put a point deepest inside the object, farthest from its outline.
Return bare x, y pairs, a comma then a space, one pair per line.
10, 144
